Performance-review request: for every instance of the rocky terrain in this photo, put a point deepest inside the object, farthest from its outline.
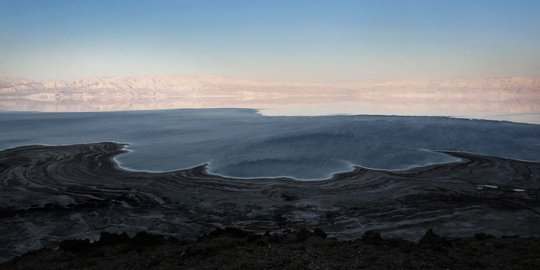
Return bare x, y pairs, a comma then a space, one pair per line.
236, 249
53, 193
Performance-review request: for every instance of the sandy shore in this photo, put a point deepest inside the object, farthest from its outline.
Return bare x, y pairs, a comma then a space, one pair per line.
53, 193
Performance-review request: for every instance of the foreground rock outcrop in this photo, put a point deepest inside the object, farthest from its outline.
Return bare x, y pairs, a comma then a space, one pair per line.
237, 249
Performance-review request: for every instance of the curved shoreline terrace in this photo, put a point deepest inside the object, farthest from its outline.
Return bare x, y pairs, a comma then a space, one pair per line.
52, 193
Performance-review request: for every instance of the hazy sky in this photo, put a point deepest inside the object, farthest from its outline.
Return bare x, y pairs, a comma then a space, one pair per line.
271, 40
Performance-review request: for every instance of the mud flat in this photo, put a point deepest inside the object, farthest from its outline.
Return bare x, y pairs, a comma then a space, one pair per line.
49, 194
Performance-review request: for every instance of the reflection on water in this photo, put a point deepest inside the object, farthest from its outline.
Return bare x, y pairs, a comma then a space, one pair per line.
516, 99
243, 143
522, 110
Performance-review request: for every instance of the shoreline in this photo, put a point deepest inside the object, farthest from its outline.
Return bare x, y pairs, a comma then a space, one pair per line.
54, 193
314, 149
353, 167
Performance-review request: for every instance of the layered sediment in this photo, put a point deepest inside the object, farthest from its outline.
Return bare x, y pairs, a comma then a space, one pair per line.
49, 194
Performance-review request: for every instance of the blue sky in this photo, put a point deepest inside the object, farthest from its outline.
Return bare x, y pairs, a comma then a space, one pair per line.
310, 41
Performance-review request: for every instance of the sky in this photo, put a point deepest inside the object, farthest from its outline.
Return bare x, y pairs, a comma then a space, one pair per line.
293, 40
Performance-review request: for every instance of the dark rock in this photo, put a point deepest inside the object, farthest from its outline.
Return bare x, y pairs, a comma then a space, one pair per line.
483, 236
430, 238
228, 231
77, 246
289, 197
302, 235
372, 237
144, 238
245, 250
108, 239
319, 233
111, 239
433, 241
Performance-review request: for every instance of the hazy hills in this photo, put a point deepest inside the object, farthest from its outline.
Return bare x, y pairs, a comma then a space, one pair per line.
460, 96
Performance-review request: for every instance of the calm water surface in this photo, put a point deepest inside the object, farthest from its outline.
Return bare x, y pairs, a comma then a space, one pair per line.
244, 143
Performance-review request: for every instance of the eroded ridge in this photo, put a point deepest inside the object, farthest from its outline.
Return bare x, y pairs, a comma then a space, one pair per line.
52, 193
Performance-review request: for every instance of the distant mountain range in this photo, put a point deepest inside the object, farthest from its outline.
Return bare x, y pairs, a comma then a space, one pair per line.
461, 95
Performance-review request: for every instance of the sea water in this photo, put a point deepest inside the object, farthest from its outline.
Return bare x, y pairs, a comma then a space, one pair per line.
245, 143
